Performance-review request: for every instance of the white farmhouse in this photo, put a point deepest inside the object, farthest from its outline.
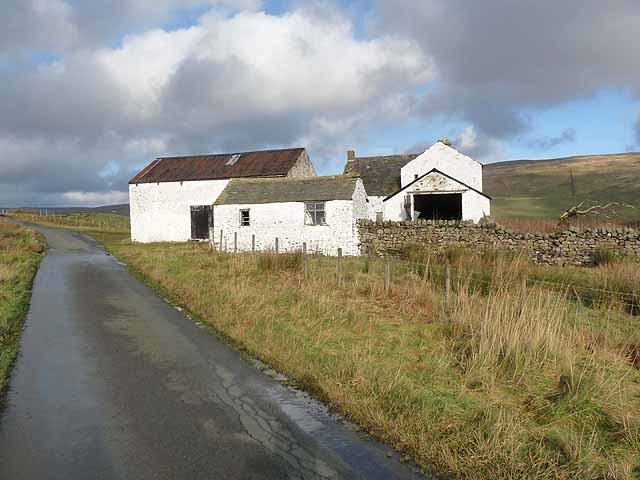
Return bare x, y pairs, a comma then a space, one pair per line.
171, 200
319, 211
440, 183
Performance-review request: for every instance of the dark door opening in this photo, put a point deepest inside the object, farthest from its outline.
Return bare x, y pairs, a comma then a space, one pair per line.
446, 206
201, 220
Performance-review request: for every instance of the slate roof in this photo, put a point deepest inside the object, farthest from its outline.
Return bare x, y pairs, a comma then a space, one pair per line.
247, 191
380, 175
265, 163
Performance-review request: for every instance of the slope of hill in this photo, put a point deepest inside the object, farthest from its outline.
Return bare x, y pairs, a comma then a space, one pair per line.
121, 209
546, 188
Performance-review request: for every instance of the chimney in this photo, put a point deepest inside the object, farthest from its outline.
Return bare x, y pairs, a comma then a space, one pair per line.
351, 155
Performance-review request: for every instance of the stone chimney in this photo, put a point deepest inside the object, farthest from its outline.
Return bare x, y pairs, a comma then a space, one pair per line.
351, 155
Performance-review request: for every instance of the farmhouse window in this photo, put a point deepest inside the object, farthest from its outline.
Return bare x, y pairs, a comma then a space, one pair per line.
314, 214
245, 218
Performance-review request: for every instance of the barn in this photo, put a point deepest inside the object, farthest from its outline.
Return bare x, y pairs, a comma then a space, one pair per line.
171, 199
319, 211
439, 184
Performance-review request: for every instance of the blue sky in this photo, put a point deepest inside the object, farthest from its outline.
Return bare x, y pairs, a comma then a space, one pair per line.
92, 91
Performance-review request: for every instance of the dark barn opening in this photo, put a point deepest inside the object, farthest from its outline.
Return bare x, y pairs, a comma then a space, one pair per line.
446, 206
201, 220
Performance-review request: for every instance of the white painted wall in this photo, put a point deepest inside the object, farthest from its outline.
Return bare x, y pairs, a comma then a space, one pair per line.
286, 221
447, 160
162, 212
474, 205
376, 204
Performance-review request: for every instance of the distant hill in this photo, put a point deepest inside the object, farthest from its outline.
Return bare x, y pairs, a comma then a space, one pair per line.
121, 209
546, 188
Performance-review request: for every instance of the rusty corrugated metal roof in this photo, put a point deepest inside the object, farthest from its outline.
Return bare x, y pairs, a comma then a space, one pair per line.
265, 163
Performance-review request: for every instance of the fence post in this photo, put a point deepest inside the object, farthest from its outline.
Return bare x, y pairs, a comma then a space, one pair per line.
220, 244
340, 266
235, 242
305, 262
447, 285
253, 242
277, 246
387, 275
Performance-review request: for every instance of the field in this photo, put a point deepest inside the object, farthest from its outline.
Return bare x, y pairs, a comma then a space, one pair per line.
496, 381
20, 253
546, 188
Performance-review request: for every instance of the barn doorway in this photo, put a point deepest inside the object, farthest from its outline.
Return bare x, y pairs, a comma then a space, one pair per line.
201, 220
445, 206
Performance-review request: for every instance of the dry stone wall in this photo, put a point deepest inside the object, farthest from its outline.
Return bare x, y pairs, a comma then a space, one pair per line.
569, 247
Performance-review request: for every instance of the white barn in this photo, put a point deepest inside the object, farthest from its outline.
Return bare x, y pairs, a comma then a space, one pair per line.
440, 183
319, 211
171, 200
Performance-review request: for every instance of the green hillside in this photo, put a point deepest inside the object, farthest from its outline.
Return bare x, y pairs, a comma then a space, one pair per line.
544, 188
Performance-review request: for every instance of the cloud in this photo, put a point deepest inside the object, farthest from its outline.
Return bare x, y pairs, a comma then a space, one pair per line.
547, 143
495, 58
469, 142
244, 80
58, 25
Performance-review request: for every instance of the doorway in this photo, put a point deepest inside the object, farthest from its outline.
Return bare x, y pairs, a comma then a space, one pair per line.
201, 220
446, 206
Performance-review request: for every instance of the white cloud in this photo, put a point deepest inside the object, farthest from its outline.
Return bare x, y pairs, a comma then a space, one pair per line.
239, 81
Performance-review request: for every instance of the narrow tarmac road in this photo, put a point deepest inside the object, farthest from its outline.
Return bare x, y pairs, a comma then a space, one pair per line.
114, 383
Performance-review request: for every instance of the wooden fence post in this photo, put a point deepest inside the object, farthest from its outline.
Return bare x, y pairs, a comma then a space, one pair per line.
447, 285
220, 244
387, 275
235, 242
277, 246
211, 242
340, 266
305, 260
253, 242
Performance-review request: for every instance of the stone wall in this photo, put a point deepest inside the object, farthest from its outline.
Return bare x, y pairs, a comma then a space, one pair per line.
569, 247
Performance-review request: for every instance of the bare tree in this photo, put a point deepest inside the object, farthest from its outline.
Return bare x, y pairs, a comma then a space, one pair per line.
607, 211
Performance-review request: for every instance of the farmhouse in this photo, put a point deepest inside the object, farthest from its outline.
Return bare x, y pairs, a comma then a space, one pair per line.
440, 183
319, 211
171, 200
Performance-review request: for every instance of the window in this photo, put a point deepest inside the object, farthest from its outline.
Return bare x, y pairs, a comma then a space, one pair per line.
233, 160
245, 219
314, 214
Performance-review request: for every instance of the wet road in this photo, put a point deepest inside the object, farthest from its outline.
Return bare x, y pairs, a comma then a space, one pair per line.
114, 383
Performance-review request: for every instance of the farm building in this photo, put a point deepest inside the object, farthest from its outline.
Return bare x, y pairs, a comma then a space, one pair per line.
319, 211
171, 200
440, 183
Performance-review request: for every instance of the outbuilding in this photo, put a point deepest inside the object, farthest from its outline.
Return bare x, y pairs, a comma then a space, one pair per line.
439, 184
319, 211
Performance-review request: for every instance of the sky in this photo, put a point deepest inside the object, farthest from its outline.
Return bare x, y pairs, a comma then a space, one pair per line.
91, 91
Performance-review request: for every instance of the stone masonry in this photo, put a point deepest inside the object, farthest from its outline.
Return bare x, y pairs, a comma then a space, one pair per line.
569, 247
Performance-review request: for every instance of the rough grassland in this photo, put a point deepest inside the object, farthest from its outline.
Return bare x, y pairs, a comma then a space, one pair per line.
502, 384
21, 251
545, 188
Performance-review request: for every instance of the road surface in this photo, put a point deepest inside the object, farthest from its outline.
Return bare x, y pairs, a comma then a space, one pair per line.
114, 383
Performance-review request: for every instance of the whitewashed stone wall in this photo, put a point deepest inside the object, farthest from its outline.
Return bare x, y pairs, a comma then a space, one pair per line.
447, 160
286, 221
162, 212
475, 206
376, 204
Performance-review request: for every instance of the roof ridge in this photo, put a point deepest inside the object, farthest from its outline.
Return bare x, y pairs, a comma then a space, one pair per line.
231, 153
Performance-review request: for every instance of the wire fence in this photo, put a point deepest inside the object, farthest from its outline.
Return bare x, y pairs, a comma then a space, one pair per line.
448, 277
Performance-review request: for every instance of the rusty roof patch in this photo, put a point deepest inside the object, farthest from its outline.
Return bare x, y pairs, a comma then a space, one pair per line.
265, 163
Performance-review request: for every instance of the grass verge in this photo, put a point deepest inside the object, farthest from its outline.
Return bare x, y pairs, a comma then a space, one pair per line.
21, 251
